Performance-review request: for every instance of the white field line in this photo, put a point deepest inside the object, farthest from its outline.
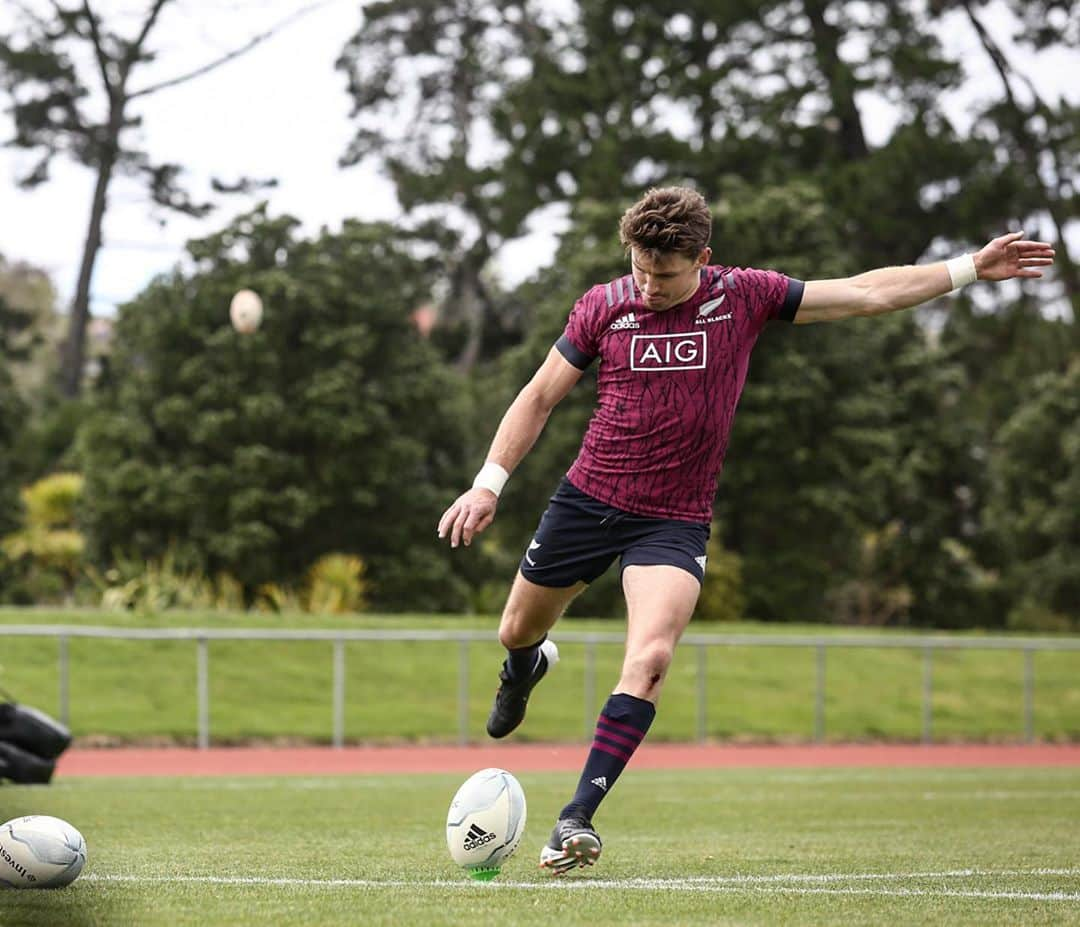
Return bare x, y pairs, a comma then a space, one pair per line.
795, 884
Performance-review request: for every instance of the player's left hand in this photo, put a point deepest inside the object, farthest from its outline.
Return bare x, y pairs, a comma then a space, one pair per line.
1010, 256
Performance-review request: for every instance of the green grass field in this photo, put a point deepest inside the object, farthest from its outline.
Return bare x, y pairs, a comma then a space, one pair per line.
143, 690
904, 846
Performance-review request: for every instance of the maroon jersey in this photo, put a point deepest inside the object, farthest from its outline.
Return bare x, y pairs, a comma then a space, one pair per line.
667, 386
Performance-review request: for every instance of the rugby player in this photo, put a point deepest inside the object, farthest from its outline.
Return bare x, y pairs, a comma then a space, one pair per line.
673, 338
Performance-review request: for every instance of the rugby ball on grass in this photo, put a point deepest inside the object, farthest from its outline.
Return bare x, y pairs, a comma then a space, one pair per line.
485, 822
38, 851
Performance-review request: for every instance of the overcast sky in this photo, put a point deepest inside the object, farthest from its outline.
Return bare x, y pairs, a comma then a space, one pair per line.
280, 111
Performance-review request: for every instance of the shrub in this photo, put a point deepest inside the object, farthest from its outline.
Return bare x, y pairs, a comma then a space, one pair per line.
46, 554
336, 584
722, 597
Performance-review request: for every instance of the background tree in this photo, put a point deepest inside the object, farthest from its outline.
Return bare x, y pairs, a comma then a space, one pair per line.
34, 336
1034, 506
873, 474
323, 432
25, 303
620, 97
1036, 171
13, 324
75, 88
31, 323
428, 81
19, 337
858, 458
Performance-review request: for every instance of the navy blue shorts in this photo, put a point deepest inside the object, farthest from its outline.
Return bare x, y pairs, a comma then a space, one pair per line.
579, 537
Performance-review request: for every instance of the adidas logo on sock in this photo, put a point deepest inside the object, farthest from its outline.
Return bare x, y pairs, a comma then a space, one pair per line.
600, 782
477, 837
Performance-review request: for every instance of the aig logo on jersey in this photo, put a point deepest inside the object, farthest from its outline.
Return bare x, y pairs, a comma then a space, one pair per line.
684, 351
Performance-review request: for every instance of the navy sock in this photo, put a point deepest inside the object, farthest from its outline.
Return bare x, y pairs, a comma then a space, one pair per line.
521, 660
623, 723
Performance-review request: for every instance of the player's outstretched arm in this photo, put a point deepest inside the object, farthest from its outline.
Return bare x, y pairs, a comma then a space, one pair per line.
521, 425
891, 288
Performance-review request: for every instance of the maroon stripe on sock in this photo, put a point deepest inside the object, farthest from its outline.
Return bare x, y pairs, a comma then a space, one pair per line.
614, 751
619, 726
600, 739
617, 738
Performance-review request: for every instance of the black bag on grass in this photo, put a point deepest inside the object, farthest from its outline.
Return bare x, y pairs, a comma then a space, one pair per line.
33, 731
22, 767
30, 742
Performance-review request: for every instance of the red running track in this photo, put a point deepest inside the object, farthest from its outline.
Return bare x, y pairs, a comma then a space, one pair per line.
274, 761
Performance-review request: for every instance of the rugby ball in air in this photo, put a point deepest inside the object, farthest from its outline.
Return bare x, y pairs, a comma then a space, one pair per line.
245, 311
38, 851
485, 822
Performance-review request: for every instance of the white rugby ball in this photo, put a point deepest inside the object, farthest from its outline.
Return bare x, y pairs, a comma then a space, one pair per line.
485, 821
39, 851
245, 311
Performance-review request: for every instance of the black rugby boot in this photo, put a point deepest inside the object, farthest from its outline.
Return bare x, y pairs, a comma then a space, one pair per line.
573, 843
513, 695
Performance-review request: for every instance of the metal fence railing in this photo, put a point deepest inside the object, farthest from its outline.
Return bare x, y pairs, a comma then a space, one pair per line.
820, 644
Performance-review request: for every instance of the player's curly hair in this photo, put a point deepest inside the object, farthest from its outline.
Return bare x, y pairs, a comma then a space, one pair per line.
667, 220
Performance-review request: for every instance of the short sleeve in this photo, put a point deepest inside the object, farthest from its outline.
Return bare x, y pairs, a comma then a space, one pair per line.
580, 343
768, 295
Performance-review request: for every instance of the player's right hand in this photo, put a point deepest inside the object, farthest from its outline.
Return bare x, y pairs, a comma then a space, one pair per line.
473, 511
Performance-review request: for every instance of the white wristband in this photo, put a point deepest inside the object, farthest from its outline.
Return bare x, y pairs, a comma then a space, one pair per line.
962, 270
491, 476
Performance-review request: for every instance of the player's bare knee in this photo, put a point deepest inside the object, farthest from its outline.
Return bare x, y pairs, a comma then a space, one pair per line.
516, 630
512, 637
649, 665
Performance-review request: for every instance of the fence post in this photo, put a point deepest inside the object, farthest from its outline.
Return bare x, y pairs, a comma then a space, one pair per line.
819, 699
339, 694
204, 692
1029, 695
702, 695
928, 695
463, 691
590, 689
62, 655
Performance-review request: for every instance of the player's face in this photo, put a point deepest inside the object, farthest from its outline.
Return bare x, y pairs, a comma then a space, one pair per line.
667, 279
